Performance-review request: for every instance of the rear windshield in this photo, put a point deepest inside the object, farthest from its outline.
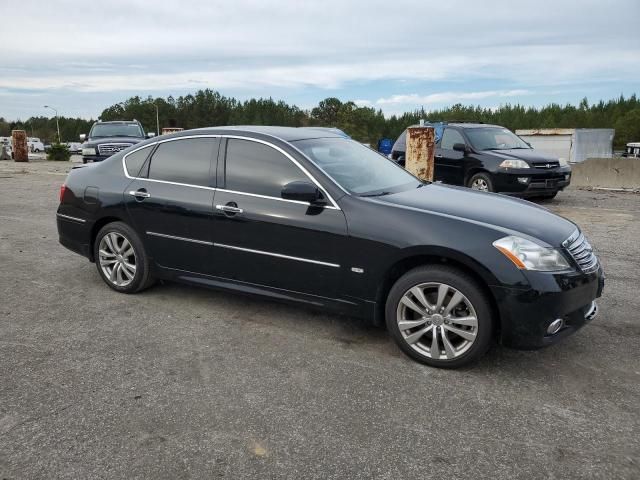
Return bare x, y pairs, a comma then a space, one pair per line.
116, 130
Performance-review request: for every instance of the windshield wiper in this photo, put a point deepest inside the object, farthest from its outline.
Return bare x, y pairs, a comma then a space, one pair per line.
376, 194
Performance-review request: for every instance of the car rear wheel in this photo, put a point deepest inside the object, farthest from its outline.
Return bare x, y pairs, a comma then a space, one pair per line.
440, 316
481, 182
121, 259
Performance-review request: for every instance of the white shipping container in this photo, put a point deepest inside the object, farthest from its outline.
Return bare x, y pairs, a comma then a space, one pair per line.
573, 144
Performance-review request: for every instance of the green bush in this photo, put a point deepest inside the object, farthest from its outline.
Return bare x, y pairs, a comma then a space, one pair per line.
59, 152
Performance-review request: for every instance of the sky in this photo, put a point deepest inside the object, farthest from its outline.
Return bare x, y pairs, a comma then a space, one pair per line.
82, 57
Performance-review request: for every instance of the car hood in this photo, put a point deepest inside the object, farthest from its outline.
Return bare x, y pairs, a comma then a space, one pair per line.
101, 140
524, 154
510, 215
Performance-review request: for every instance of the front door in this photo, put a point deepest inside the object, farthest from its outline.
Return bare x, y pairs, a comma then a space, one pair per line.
170, 203
449, 163
263, 239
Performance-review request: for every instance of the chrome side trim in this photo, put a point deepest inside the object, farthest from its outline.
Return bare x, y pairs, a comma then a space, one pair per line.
239, 137
69, 217
184, 239
278, 255
329, 207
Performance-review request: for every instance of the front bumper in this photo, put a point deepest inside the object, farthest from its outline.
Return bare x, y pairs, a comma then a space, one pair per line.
538, 182
526, 313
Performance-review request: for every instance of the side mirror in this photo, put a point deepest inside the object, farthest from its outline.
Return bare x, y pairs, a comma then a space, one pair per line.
83, 137
460, 147
302, 192
151, 135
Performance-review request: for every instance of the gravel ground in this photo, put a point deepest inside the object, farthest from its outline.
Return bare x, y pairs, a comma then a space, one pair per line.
180, 382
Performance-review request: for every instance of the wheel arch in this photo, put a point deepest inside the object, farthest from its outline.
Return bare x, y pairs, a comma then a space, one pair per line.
101, 222
472, 171
435, 256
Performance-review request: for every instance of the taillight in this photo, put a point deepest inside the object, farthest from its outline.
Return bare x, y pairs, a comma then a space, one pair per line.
63, 189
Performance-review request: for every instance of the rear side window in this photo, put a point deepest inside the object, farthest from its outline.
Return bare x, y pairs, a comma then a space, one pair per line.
450, 137
135, 161
253, 167
184, 161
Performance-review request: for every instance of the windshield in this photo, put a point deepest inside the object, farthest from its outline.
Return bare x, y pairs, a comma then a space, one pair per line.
494, 138
116, 130
357, 168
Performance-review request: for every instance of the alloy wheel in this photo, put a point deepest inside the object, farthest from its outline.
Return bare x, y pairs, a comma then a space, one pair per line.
437, 321
117, 259
480, 184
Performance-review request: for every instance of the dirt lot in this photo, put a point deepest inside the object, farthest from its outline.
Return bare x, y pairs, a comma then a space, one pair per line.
180, 382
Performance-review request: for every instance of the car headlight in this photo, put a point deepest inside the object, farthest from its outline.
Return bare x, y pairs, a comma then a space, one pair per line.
88, 151
514, 164
563, 162
528, 255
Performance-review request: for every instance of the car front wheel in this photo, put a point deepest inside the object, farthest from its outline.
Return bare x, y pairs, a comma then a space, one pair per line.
481, 182
439, 315
121, 259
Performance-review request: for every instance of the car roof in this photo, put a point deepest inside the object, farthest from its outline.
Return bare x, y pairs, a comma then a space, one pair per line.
118, 121
472, 125
288, 134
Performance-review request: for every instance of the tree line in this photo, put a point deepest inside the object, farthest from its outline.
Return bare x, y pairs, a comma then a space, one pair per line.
365, 124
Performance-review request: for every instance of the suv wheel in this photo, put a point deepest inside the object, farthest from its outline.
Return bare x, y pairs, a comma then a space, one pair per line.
481, 182
121, 259
439, 316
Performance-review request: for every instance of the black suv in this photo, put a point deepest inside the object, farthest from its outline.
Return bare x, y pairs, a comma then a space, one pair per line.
107, 138
491, 158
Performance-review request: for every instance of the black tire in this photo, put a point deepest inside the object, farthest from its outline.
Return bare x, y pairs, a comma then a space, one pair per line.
143, 277
482, 178
467, 286
84, 160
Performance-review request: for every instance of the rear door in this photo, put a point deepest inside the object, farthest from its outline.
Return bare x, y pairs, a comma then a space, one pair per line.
268, 240
449, 163
170, 202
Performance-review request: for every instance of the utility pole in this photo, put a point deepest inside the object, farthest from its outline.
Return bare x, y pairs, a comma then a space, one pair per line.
157, 120
57, 124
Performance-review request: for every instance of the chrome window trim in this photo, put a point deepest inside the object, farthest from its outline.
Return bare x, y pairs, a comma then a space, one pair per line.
329, 207
333, 205
278, 255
69, 217
184, 239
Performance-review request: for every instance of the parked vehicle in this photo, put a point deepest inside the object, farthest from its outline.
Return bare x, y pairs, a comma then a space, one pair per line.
632, 150
107, 138
311, 217
74, 147
492, 158
35, 145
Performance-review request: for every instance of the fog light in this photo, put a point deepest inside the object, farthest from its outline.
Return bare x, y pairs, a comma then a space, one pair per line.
555, 326
523, 179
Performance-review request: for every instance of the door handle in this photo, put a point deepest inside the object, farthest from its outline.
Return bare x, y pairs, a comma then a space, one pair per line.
229, 209
139, 194
438, 156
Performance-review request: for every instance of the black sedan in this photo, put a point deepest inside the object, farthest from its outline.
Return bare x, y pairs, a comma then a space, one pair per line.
309, 216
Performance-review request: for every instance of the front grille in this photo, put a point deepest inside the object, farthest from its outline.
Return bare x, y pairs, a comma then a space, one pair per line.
109, 149
581, 251
546, 165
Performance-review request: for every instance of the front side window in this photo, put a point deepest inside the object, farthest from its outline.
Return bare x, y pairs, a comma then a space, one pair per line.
450, 137
184, 161
357, 168
495, 138
253, 167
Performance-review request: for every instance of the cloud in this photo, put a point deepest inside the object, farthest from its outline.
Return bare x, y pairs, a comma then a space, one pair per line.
249, 47
448, 97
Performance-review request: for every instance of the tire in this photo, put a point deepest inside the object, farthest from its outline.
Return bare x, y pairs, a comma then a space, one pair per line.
114, 264
550, 196
84, 160
481, 181
475, 338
